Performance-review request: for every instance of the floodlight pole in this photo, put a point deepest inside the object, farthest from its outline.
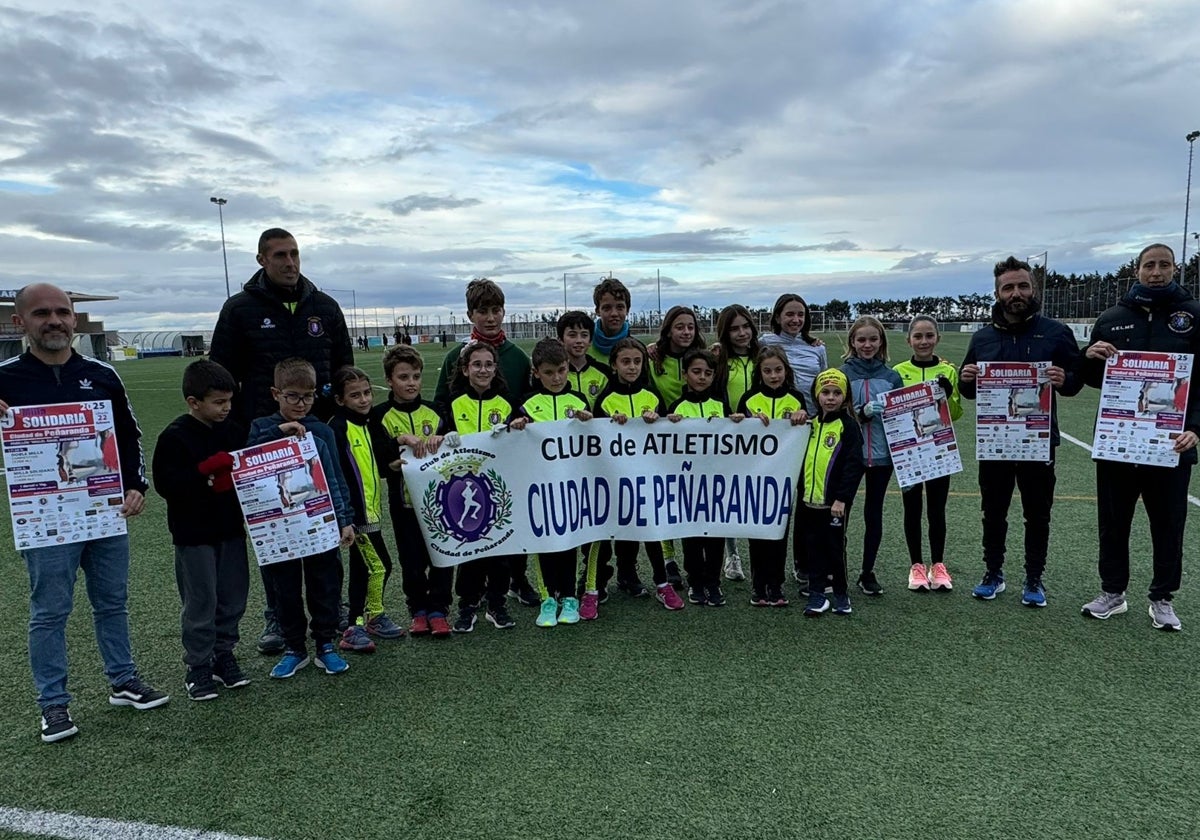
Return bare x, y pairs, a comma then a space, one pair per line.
1045, 255
221, 202
353, 310
1187, 205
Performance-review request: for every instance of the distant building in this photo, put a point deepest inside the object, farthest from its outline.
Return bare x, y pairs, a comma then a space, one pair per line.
90, 337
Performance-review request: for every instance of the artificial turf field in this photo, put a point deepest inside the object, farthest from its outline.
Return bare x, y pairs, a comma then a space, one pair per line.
932, 715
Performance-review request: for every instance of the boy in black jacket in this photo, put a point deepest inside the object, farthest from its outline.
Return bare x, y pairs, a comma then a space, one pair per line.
192, 471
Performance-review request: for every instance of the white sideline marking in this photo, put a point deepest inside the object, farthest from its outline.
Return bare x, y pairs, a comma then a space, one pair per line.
1088, 447
74, 827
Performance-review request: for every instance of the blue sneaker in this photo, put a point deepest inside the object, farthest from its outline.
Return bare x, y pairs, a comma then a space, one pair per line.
991, 586
548, 614
291, 662
383, 627
841, 604
329, 661
817, 604
1033, 594
570, 611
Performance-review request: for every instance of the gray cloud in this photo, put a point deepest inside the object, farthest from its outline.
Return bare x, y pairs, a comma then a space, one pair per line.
230, 143
427, 203
711, 241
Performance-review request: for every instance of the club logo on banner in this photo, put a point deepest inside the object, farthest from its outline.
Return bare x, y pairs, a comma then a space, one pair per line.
468, 505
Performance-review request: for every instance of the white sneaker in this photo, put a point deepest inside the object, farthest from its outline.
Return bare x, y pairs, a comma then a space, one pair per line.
1107, 604
733, 568
1162, 616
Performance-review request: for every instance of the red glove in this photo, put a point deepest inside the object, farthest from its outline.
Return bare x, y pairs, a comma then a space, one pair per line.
219, 469
222, 482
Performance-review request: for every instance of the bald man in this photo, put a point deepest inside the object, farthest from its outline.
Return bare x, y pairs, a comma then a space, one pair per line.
50, 371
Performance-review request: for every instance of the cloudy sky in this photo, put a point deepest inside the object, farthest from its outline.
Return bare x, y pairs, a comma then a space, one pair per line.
734, 149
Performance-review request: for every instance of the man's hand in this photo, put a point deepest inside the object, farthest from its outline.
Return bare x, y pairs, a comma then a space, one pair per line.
1100, 350
1185, 441
134, 502
1056, 375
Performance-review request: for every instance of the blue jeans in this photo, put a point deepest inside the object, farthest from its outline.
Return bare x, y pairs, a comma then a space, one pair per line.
52, 572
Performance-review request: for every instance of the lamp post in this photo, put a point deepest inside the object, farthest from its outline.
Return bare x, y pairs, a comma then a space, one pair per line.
1187, 205
354, 307
1045, 255
220, 202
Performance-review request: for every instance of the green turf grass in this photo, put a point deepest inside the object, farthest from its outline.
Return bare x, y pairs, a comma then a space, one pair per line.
932, 716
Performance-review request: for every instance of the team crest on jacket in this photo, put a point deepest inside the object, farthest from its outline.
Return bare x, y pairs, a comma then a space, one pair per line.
494, 416
593, 389
468, 505
1180, 322
426, 428
315, 328
830, 440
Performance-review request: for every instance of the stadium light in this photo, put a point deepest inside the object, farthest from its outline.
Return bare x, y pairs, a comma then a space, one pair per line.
354, 307
221, 202
1045, 255
1187, 205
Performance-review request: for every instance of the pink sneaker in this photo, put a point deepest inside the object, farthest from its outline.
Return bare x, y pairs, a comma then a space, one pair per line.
940, 578
668, 597
589, 606
918, 578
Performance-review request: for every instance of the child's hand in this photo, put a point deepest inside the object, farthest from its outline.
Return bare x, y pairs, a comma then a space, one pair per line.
347, 536
3, 408
619, 418
583, 415
652, 352
431, 445
412, 442
762, 415
970, 372
799, 418
134, 502
649, 415
737, 418
674, 418
294, 428
397, 465
837, 509
517, 423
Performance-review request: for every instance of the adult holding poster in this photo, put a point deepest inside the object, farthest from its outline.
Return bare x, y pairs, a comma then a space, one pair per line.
50, 371
1019, 333
1156, 314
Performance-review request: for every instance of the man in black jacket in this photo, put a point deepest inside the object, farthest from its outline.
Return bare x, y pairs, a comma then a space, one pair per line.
1018, 333
279, 314
1159, 315
50, 371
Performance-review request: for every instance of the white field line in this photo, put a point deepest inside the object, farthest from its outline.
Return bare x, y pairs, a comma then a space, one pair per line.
74, 827
1088, 448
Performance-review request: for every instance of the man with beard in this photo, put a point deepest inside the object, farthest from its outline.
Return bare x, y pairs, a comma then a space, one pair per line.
1018, 333
51, 372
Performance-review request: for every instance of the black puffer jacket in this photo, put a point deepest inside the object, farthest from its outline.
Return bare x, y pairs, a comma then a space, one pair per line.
1169, 325
255, 330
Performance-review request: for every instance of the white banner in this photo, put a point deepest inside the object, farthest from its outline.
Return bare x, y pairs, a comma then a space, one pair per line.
285, 499
63, 473
916, 420
557, 485
1143, 404
1012, 411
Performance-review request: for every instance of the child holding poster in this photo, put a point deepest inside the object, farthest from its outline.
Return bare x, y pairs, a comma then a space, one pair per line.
736, 347
772, 396
551, 399
193, 473
925, 365
629, 395
702, 555
316, 578
479, 403
869, 376
829, 477
370, 563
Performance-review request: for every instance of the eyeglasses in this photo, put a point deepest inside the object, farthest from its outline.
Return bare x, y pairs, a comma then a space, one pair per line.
482, 366
292, 398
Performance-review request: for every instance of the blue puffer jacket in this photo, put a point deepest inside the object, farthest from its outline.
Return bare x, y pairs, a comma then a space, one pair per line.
868, 379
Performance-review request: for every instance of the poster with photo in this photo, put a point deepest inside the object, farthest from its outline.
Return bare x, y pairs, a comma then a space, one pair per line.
285, 499
1143, 403
920, 437
63, 473
1013, 401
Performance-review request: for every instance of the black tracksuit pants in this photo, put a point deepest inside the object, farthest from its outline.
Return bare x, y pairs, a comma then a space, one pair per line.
824, 547
1035, 481
767, 561
314, 580
426, 587
702, 558
1163, 491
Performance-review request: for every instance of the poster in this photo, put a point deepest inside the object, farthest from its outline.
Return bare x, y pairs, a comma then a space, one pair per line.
557, 485
1143, 402
1012, 411
920, 437
285, 499
63, 473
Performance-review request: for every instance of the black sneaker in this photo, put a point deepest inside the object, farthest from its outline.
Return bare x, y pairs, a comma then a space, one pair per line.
603, 594
137, 694
524, 593
271, 642
465, 622
696, 596
775, 596
868, 584
227, 672
758, 598
343, 617
633, 587
200, 683
714, 596
57, 724
673, 576
499, 617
